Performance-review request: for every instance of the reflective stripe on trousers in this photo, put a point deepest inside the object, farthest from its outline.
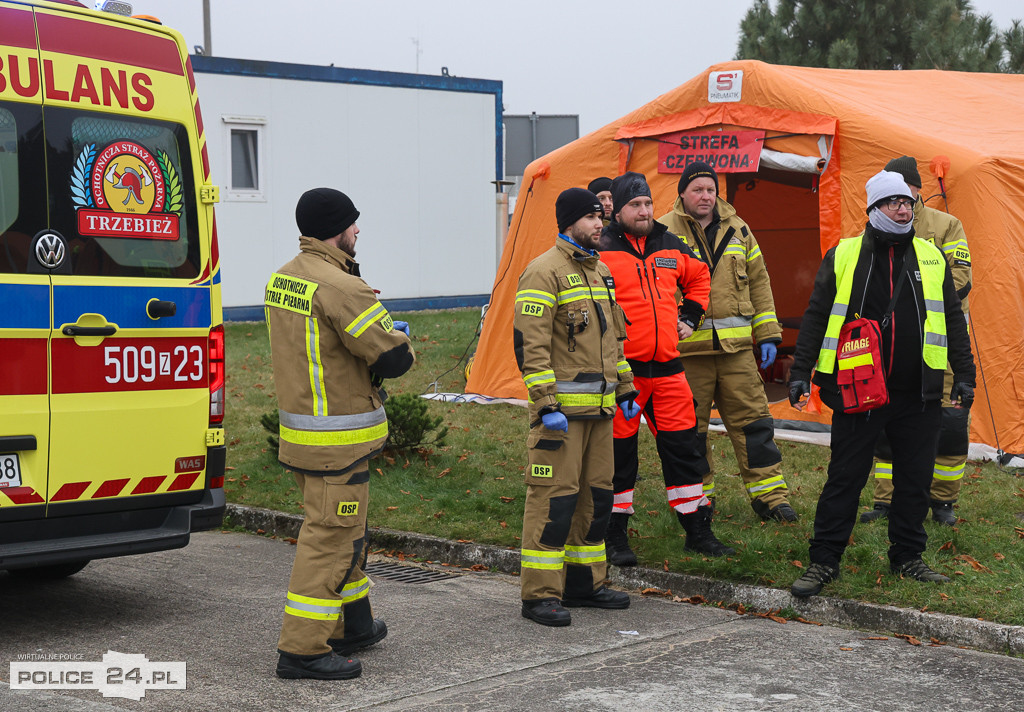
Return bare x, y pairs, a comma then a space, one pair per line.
537, 559
355, 590
767, 485
623, 503
324, 609
584, 554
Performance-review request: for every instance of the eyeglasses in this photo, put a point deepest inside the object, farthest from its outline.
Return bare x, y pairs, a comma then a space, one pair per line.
897, 203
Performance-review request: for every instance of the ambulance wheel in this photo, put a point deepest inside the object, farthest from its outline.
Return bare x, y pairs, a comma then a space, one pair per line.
51, 572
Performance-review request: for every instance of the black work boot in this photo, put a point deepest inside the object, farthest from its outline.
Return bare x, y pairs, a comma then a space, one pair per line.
880, 511
361, 629
781, 512
601, 598
813, 580
942, 512
547, 611
699, 537
326, 667
616, 541
919, 571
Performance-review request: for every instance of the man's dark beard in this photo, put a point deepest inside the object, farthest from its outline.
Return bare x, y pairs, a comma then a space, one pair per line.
583, 239
639, 231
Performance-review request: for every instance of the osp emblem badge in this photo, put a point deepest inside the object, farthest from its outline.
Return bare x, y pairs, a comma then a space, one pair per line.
126, 191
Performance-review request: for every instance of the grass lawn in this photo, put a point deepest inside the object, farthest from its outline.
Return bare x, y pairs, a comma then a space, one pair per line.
472, 489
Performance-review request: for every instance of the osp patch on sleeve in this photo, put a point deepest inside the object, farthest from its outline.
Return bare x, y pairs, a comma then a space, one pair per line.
533, 309
348, 509
542, 471
291, 293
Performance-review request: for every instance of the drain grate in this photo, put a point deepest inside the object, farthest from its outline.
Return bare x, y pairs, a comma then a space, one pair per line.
405, 574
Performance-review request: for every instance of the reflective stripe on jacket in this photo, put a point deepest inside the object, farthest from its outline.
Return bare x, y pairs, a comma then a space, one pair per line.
932, 267
947, 233
327, 330
568, 332
741, 306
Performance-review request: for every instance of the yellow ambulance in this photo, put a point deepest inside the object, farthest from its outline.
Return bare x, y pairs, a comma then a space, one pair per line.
111, 334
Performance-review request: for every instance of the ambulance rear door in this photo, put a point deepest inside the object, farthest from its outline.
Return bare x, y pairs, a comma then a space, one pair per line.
24, 296
131, 306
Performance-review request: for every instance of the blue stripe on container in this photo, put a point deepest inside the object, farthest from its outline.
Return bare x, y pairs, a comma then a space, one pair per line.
126, 306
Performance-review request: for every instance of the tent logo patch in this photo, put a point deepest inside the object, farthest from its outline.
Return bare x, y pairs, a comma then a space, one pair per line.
725, 86
125, 191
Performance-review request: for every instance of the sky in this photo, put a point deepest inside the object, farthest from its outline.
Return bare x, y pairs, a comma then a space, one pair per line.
599, 59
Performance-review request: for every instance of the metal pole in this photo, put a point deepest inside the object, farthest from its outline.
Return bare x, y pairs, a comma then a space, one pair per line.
501, 218
207, 33
502, 231
533, 130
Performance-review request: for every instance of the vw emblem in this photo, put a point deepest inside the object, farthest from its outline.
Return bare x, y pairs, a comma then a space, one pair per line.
50, 250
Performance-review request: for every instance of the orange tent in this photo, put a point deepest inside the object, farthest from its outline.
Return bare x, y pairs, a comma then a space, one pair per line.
825, 132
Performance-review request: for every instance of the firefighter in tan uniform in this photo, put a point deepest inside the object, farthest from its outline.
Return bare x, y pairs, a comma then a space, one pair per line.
945, 232
568, 334
332, 344
719, 365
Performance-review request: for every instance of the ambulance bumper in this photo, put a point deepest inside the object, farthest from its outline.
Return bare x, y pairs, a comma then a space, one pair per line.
140, 525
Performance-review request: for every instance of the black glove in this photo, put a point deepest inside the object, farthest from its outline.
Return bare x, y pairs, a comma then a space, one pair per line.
962, 394
797, 390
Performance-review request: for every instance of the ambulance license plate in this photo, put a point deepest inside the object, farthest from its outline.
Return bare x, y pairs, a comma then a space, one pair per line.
10, 471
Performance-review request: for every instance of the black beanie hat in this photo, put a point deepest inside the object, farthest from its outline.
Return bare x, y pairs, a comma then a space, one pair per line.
599, 185
697, 169
574, 203
324, 212
906, 167
626, 187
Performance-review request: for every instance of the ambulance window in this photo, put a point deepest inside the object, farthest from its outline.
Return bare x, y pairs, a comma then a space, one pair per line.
8, 169
22, 183
121, 192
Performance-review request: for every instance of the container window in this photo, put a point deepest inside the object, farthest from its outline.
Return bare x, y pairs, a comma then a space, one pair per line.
245, 159
246, 154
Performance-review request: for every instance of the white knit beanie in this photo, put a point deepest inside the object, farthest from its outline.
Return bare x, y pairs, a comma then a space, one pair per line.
886, 184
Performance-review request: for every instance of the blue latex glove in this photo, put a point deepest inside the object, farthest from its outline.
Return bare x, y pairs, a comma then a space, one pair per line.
629, 409
768, 351
402, 326
555, 421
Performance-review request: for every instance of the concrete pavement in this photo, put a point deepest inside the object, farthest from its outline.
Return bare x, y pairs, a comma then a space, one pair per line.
460, 643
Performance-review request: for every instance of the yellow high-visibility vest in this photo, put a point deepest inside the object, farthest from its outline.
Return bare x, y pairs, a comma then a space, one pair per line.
932, 266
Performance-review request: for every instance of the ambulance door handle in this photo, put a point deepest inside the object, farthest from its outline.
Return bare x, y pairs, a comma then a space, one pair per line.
156, 308
75, 330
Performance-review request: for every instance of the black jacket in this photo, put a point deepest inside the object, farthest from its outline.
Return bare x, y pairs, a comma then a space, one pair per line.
881, 260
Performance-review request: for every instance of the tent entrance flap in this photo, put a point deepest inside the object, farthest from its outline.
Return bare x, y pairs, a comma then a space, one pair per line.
781, 208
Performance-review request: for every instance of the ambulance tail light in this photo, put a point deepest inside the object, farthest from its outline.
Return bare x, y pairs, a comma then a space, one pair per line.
215, 348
